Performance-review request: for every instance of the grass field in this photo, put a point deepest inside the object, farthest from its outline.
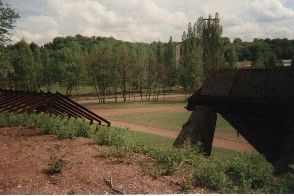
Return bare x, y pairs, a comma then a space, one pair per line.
165, 142
172, 121
161, 119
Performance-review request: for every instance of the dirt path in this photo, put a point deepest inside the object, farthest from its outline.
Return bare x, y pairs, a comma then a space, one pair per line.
25, 155
238, 145
159, 108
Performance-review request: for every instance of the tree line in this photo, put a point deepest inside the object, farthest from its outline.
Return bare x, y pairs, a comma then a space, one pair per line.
126, 68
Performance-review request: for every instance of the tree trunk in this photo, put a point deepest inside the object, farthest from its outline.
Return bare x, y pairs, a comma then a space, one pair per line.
124, 91
129, 93
199, 129
163, 93
115, 94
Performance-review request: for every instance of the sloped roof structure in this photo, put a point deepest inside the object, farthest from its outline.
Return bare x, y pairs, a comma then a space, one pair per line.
258, 103
14, 102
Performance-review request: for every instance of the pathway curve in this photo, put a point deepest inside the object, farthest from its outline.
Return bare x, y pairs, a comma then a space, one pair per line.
218, 140
239, 144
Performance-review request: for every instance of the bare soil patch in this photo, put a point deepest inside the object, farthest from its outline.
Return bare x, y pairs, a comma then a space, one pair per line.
159, 108
25, 155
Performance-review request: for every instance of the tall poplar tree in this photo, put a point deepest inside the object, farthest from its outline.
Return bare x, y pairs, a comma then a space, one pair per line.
170, 63
212, 43
191, 59
38, 65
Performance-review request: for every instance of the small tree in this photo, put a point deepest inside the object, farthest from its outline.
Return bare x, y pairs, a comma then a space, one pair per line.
231, 57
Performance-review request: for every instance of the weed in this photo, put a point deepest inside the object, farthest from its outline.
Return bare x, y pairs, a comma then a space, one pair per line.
187, 184
110, 137
152, 169
56, 164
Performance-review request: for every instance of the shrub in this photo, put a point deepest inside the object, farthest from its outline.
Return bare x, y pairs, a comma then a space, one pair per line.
110, 136
56, 164
211, 175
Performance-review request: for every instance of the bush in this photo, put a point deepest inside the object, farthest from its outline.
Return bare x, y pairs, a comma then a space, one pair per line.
211, 175
55, 166
49, 124
110, 136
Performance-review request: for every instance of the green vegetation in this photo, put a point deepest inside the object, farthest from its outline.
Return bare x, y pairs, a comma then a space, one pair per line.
8, 18
56, 165
50, 124
241, 173
172, 121
166, 120
150, 139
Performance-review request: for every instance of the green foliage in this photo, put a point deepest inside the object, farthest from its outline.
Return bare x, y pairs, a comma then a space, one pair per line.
245, 173
191, 67
8, 17
114, 66
212, 44
171, 121
110, 137
55, 166
25, 73
171, 159
49, 124
170, 71
186, 185
231, 57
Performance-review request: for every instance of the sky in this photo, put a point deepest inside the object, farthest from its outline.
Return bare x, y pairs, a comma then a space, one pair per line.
149, 20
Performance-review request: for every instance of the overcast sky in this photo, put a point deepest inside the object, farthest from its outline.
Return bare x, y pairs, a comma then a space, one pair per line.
149, 20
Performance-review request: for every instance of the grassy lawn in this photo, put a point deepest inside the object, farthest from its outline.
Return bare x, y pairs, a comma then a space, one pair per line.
165, 142
166, 120
172, 121
151, 139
